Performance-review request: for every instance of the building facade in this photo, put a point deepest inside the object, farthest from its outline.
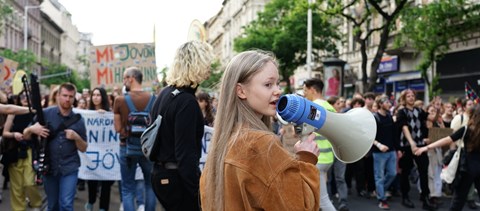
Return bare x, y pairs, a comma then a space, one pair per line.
13, 35
226, 25
398, 68
51, 34
51, 40
70, 37
83, 54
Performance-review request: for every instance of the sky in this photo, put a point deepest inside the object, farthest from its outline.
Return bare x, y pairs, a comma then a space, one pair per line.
132, 21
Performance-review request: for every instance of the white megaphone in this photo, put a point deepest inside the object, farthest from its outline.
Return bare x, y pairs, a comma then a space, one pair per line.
351, 134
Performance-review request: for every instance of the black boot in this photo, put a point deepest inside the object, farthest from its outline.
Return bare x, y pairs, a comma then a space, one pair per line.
407, 203
428, 205
471, 204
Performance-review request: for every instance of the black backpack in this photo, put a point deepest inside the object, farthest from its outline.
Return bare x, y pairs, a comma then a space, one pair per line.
138, 122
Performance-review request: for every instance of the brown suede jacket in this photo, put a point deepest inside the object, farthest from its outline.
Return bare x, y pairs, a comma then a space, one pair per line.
261, 175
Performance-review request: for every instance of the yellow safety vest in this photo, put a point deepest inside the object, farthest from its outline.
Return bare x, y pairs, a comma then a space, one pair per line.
326, 152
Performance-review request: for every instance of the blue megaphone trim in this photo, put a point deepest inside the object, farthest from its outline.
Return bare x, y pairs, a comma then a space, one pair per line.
298, 110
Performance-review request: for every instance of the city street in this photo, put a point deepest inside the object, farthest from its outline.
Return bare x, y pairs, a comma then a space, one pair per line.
80, 199
356, 203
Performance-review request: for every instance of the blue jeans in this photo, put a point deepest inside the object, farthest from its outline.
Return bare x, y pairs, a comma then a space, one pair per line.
325, 203
385, 170
61, 190
128, 167
140, 192
338, 170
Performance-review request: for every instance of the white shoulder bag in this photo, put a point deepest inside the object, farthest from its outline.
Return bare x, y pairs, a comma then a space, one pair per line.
448, 172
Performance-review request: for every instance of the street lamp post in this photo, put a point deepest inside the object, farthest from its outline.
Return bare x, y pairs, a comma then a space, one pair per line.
25, 25
309, 39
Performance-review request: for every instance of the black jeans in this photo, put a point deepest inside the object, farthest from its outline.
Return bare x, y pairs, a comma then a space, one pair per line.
171, 192
104, 193
463, 182
406, 164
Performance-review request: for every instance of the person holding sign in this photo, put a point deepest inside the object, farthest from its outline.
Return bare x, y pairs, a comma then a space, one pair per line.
99, 102
470, 173
435, 156
247, 167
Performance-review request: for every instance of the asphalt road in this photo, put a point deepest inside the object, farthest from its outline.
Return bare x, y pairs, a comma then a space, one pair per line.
356, 203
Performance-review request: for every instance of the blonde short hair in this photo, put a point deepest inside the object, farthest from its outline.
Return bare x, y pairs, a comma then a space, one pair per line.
191, 64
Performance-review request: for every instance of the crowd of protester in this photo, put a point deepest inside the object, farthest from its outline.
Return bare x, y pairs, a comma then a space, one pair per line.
392, 165
386, 171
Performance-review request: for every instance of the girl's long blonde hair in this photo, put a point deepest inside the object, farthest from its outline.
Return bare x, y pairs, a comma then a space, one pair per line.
232, 114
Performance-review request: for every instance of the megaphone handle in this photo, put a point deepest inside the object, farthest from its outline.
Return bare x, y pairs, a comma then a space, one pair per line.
305, 137
306, 131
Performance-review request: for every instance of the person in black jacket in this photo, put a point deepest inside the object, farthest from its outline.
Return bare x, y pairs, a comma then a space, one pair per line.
176, 173
384, 154
468, 173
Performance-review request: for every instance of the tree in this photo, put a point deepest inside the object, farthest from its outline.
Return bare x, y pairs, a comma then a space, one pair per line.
25, 58
431, 28
56, 74
361, 14
282, 29
83, 60
5, 12
208, 85
215, 77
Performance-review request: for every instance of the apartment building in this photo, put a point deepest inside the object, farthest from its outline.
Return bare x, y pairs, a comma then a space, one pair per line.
13, 34
226, 25
398, 68
70, 37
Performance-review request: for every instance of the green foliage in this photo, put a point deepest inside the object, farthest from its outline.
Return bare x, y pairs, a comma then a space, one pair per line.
50, 69
82, 83
282, 29
58, 74
367, 17
163, 73
26, 59
83, 59
431, 28
214, 79
433, 89
5, 11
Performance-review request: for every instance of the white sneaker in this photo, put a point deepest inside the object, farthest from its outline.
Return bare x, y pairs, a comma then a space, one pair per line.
121, 207
141, 208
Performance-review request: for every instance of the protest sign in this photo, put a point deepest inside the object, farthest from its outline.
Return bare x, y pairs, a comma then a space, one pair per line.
436, 133
207, 136
107, 63
7, 71
101, 160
